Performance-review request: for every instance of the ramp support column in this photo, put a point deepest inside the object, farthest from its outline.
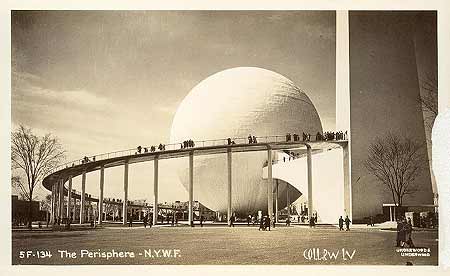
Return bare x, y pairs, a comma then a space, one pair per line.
269, 184
191, 188
229, 190
83, 195
53, 205
69, 200
309, 173
155, 190
288, 200
125, 194
100, 200
276, 201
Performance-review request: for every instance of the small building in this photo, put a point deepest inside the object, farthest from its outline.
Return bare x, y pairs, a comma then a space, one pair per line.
424, 215
19, 211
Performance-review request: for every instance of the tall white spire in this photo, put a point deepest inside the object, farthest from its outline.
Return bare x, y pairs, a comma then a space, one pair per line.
342, 72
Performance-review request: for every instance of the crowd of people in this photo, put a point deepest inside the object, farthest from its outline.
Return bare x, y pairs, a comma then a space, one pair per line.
148, 220
264, 223
313, 221
347, 223
331, 135
162, 147
187, 144
252, 139
87, 160
140, 149
230, 141
294, 137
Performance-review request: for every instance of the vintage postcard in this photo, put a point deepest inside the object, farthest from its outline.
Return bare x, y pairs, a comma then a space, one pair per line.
224, 137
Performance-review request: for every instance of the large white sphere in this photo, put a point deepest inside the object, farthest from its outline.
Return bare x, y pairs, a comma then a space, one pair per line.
235, 103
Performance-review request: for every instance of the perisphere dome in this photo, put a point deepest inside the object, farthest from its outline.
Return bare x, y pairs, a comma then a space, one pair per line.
235, 103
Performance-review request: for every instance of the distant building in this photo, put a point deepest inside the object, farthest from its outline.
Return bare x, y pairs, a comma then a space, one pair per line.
19, 211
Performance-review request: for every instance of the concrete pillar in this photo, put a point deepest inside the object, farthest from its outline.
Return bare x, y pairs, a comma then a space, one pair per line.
288, 200
58, 201
347, 182
100, 199
82, 200
276, 201
55, 202
310, 197
52, 206
390, 214
269, 184
191, 187
74, 209
69, 199
61, 199
125, 194
57, 192
229, 190
155, 191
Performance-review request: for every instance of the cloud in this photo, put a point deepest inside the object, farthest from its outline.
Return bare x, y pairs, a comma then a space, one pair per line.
27, 88
87, 124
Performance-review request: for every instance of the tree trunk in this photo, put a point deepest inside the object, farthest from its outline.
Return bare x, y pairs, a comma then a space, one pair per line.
30, 213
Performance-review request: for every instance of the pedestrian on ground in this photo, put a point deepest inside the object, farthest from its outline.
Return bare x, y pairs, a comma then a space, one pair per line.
145, 221
347, 223
232, 219
341, 223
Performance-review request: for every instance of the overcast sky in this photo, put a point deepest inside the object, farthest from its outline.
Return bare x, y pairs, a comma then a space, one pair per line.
108, 80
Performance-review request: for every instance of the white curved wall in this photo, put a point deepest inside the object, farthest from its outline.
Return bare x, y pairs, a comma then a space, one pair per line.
328, 182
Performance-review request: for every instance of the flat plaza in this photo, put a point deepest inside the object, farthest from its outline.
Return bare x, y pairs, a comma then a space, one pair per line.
241, 245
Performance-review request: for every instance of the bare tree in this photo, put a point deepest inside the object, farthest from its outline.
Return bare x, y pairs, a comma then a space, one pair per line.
17, 185
428, 99
396, 162
34, 157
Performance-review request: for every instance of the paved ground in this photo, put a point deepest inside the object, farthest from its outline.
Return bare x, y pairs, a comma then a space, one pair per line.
221, 245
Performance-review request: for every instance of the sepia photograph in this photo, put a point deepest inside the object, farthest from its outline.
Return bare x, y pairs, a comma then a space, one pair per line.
223, 137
